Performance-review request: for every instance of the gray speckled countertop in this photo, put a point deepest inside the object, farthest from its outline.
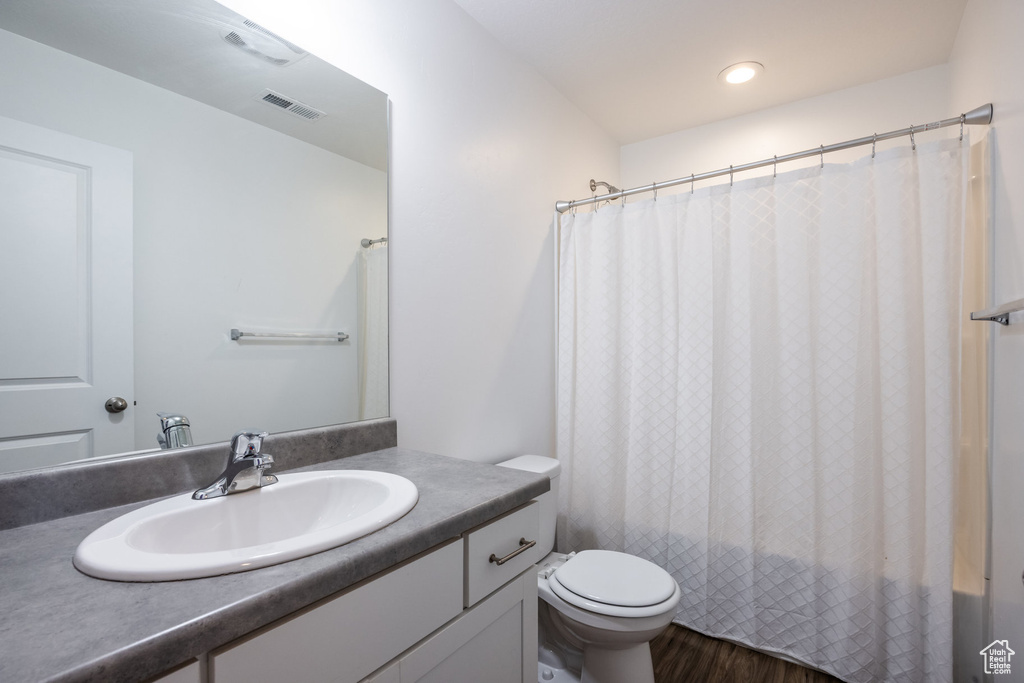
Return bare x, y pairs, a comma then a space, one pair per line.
57, 624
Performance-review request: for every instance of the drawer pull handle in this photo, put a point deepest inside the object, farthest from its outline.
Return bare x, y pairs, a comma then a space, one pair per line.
524, 545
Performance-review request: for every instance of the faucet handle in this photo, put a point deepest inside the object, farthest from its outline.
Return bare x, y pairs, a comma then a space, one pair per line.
246, 444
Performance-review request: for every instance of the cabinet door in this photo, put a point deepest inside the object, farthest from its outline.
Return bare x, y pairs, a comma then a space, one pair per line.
187, 673
346, 637
495, 641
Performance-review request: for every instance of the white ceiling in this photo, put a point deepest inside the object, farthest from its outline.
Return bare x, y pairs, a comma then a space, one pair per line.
644, 68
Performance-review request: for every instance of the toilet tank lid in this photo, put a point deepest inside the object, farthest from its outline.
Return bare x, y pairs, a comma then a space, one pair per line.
534, 463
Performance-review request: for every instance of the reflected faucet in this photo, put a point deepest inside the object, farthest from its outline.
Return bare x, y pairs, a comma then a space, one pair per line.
246, 467
174, 431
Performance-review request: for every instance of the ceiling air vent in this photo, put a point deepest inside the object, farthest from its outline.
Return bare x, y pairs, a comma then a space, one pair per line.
290, 105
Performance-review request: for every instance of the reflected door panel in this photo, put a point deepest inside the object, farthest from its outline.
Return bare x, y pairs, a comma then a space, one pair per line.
66, 309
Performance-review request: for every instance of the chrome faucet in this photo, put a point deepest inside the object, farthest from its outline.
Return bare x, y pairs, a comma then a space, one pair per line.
174, 431
246, 467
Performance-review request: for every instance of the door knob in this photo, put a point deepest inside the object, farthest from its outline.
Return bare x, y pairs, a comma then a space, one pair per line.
115, 404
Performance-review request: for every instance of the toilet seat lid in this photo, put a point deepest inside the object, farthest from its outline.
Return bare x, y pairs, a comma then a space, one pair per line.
615, 578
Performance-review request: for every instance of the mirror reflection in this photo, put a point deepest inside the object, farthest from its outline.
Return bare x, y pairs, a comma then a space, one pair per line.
170, 172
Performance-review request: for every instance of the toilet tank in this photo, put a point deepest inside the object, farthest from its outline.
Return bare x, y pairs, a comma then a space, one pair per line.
548, 501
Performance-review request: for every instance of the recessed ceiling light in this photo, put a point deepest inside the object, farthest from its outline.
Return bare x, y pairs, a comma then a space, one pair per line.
740, 73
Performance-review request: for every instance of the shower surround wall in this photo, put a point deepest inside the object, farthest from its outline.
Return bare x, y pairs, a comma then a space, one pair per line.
985, 67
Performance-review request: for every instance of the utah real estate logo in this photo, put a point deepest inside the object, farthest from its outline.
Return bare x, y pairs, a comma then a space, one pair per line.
997, 657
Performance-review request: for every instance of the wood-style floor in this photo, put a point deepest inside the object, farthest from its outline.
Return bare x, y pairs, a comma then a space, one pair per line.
684, 656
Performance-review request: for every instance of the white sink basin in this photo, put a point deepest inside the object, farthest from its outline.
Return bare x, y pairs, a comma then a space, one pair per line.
302, 514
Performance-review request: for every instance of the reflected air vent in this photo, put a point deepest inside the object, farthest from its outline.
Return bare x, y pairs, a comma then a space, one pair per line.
257, 41
291, 106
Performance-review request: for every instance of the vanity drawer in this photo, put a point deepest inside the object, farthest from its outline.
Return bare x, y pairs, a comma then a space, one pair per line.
496, 540
346, 637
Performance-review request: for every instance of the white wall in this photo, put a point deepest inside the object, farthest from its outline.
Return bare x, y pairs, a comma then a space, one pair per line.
889, 104
235, 226
482, 148
986, 66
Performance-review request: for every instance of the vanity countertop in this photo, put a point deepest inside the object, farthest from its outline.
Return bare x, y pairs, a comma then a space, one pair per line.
58, 624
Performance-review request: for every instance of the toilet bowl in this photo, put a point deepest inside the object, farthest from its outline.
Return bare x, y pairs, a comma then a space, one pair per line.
598, 609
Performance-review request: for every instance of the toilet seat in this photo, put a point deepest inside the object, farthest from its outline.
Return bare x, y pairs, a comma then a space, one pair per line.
608, 622
614, 584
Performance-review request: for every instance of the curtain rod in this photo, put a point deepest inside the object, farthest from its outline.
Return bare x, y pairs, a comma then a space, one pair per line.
976, 117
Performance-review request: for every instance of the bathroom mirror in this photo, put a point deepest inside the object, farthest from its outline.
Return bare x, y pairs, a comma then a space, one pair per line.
170, 172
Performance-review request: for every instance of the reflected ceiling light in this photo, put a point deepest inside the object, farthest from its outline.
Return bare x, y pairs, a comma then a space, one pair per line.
740, 73
252, 38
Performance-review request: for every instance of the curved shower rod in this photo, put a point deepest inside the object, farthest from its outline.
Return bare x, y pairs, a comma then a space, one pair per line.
982, 116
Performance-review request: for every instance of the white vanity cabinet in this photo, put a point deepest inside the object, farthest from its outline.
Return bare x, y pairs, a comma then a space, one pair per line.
450, 615
186, 673
494, 641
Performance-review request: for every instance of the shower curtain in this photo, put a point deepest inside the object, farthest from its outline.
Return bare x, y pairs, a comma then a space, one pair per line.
757, 390
373, 332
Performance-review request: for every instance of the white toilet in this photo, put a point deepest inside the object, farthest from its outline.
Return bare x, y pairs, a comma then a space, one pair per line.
598, 609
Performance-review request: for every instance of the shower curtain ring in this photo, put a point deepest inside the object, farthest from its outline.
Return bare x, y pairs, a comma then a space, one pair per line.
962, 118
874, 139
623, 198
913, 144
654, 186
691, 183
822, 148
775, 165
730, 175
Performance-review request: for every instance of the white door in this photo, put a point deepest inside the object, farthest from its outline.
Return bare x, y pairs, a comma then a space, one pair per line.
65, 297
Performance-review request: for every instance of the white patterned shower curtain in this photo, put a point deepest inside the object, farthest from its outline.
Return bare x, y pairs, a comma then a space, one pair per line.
758, 391
373, 331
